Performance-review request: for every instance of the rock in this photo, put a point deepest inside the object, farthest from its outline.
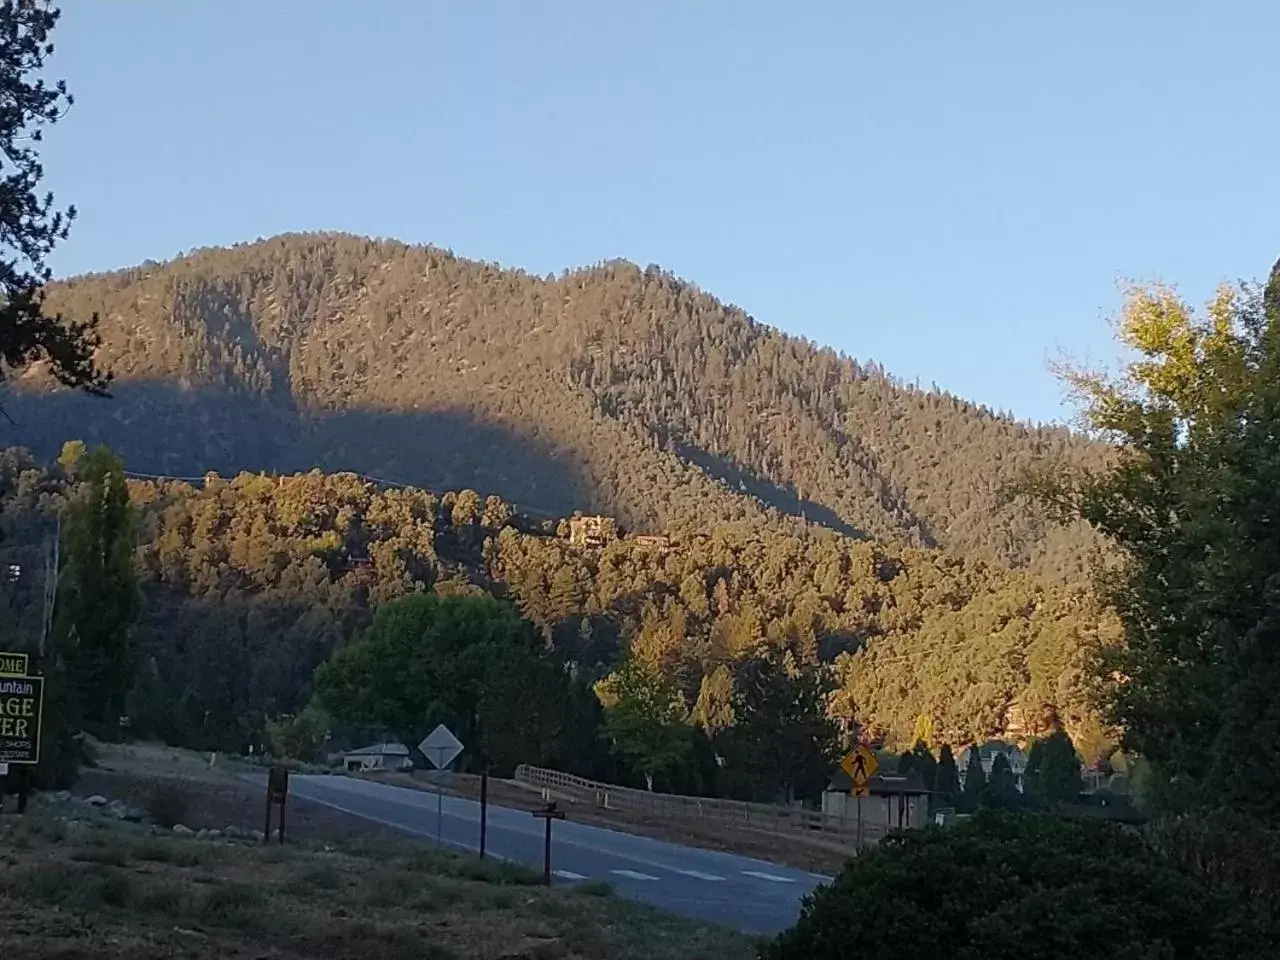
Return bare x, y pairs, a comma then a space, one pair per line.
183, 830
97, 800
202, 834
231, 833
62, 796
213, 834
116, 810
257, 835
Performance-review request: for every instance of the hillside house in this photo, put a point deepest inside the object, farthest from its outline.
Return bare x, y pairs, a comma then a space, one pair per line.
592, 531
987, 753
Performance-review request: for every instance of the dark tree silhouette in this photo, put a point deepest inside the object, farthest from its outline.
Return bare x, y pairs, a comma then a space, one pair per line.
30, 225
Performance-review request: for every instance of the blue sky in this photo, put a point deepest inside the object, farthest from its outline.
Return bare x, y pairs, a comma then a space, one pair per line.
951, 189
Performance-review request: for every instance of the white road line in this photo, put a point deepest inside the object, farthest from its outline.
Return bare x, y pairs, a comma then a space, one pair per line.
699, 876
633, 875
569, 875
428, 834
767, 876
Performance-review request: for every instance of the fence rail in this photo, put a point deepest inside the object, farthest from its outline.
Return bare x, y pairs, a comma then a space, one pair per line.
769, 818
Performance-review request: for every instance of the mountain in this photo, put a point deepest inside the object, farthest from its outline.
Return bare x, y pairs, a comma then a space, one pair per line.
610, 389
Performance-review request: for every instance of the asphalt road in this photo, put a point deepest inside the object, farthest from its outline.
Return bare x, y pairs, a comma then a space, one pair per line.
739, 892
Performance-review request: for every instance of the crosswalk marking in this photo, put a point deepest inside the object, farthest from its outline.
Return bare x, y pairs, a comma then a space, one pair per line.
767, 876
698, 875
633, 875
569, 875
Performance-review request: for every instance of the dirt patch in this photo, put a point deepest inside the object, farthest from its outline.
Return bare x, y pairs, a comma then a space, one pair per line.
216, 805
790, 850
102, 891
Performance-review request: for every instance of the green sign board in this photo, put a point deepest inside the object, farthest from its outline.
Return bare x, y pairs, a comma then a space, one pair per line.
14, 664
21, 707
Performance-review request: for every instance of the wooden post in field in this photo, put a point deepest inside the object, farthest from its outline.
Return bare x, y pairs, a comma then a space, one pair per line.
277, 792
548, 813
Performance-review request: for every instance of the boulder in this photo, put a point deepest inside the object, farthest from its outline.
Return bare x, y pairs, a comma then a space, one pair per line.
213, 835
202, 834
183, 830
97, 800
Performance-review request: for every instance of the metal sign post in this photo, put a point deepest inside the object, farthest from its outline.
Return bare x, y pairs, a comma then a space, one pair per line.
441, 747
548, 814
861, 765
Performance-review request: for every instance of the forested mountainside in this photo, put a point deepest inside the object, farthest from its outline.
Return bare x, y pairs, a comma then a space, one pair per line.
610, 389
253, 581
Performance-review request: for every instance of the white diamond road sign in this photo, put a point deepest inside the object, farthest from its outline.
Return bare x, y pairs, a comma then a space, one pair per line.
441, 747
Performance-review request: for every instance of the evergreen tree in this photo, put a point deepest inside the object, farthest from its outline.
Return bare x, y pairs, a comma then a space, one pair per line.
975, 781
906, 762
946, 780
1000, 792
923, 764
783, 742
30, 226
1052, 776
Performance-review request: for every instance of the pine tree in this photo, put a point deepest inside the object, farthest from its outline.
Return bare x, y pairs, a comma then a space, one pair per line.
1052, 777
1000, 791
29, 224
923, 764
975, 781
946, 780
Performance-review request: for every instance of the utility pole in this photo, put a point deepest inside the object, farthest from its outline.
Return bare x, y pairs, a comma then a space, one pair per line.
52, 558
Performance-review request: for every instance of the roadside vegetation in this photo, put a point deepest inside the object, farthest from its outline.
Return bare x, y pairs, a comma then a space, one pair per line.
98, 888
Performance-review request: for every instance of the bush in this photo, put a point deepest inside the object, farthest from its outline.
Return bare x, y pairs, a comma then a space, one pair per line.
1016, 886
167, 805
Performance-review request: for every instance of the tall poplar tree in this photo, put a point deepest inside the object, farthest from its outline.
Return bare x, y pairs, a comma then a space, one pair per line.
97, 600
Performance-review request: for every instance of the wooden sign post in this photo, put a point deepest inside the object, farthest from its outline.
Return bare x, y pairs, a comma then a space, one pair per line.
548, 813
277, 792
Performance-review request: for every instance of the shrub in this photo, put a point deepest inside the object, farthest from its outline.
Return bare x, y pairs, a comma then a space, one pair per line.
1015, 886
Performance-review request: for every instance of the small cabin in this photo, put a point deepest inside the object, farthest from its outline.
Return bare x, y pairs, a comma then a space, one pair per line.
379, 756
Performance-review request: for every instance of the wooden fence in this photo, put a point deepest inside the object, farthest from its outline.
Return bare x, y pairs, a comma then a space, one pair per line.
765, 817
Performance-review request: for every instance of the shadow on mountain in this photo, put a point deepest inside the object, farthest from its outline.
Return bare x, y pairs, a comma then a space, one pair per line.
162, 429
780, 498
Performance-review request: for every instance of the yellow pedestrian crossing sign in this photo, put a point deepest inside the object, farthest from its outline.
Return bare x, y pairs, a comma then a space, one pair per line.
861, 765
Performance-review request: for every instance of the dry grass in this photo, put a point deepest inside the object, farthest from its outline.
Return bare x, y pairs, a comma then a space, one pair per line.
110, 892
